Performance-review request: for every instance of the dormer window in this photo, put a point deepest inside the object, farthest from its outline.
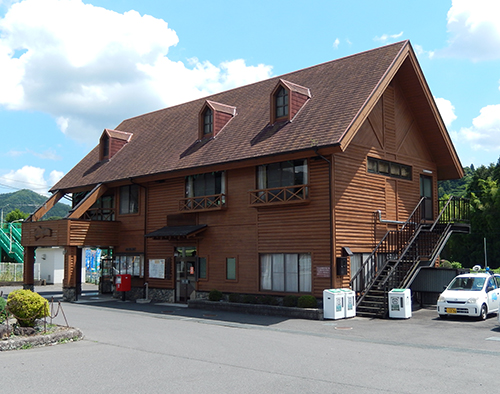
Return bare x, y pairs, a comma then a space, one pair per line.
281, 103
111, 142
213, 117
287, 99
208, 122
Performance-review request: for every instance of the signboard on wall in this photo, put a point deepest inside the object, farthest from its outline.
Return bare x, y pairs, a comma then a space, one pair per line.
157, 268
323, 271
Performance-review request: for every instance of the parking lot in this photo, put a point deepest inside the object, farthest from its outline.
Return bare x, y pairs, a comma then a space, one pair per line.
137, 348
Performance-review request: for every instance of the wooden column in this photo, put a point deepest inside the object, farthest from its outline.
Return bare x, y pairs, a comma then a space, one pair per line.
29, 268
70, 260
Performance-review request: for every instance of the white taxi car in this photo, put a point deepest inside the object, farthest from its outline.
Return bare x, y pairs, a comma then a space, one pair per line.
475, 294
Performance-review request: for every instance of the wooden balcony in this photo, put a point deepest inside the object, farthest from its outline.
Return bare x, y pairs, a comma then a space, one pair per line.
214, 202
296, 194
70, 232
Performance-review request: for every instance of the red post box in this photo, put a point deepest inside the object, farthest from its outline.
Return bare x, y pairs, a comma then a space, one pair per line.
123, 282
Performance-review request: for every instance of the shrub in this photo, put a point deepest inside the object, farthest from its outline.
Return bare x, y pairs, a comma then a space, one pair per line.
249, 299
3, 312
290, 301
27, 307
445, 264
456, 265
267, 300
215, 295
234, 297
307, 301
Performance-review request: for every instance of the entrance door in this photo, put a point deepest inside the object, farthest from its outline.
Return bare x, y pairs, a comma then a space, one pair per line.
185, 279
426, 191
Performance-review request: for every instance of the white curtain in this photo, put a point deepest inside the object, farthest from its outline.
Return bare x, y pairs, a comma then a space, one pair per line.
292, 271
278, 272
305, 273
266, 272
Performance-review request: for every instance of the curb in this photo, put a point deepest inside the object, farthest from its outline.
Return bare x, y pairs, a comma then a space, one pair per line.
62, 335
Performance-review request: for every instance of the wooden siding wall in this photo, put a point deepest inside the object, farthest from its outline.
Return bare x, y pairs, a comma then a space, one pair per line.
389, 133
297, 100
220, 120
163, 199
302, 228
115, 145
132, 226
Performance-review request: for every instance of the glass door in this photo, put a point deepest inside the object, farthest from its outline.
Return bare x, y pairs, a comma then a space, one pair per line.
426, 191
185, 279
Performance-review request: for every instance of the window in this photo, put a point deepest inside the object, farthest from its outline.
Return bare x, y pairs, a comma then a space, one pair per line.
202, 268
281, 103
231, 268
105, 147
208, 122
286, 272
286, 173
208, 184
129, 199
129, 264
389, 168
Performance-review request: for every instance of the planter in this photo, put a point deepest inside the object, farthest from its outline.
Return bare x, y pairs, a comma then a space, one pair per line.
259, 309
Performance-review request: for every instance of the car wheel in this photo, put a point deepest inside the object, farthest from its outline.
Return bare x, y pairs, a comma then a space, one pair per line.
443, 316
484, 312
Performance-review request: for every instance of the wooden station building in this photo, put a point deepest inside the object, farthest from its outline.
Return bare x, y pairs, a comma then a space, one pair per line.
283, 186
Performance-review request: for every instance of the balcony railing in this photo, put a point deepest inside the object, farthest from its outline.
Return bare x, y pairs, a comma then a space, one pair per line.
104, 214
280, 195
203, 203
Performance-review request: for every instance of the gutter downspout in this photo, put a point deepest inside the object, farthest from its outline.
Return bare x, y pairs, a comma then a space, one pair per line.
330, 210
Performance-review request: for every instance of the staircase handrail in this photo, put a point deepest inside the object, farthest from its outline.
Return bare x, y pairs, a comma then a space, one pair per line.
14, 230
431, 229
375, 251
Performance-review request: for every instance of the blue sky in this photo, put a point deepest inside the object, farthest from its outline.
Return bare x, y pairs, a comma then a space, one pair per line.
70, 68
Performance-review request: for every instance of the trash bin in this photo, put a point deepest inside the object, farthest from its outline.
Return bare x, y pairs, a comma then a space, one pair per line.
400, 303
333, 304
349, 302
123, 282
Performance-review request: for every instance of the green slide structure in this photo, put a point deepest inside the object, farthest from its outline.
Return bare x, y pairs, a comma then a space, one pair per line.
10, 240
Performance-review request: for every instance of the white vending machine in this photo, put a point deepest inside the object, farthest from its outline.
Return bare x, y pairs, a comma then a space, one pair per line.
349, 302
333, 304
400, 303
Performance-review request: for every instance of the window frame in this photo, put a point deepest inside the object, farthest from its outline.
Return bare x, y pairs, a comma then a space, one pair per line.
281, 110
272, 273
388, 168
132, 210
234, 261
207, 122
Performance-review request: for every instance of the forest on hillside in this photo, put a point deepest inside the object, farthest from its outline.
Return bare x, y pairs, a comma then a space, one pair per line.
481, 186
28, 201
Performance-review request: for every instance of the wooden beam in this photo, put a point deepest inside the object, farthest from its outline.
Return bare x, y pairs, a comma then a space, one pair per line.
87, 202
42, 210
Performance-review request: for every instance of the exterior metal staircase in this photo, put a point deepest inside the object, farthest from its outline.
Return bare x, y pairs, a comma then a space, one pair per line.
10, 240
394, 263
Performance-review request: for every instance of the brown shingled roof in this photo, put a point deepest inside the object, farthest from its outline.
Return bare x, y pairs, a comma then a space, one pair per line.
340, 90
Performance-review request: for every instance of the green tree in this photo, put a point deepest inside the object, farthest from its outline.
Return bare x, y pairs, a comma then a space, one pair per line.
16, 214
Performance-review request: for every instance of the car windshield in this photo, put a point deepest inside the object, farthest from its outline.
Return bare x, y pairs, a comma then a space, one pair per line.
474, 284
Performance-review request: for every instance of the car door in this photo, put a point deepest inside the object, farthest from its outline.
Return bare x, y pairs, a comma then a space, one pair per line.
493, 294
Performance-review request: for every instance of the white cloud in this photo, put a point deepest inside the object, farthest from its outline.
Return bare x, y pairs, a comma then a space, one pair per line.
484, 134
474, 29
336, 43
90, 68
447, 110
388, 37
29, 177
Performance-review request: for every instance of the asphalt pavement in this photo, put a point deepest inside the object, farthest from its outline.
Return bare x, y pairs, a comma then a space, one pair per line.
152, 348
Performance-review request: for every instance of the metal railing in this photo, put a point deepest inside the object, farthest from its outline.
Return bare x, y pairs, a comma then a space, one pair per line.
13, 272
285, 194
